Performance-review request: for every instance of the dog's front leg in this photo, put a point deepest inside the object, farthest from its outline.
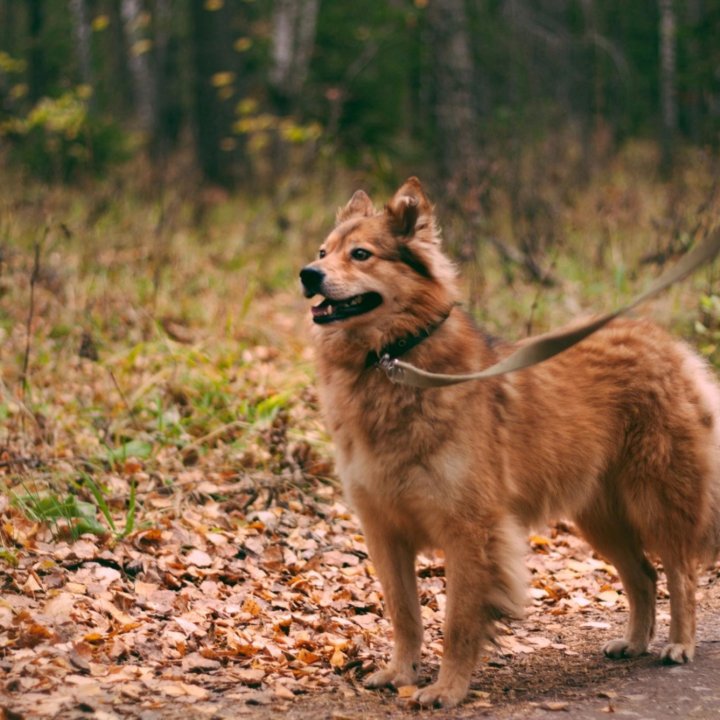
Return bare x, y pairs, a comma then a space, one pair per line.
394, 560
467, 622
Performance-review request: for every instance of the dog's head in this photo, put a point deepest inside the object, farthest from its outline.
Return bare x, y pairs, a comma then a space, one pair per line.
377, 267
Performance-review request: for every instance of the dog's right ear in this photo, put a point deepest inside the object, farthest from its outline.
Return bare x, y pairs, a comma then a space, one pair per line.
410, 213
360, 205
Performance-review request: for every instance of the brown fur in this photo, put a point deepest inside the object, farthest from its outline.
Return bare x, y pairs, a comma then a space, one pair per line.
620, 433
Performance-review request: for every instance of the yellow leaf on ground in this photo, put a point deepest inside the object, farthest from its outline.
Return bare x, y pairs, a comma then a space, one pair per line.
338, 659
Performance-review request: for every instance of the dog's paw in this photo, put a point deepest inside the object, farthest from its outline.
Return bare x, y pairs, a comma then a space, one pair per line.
440, 695
390, 677
617, 649
677, 653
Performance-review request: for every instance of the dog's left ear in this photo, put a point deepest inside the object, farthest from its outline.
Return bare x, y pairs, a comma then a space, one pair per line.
409, 212
359, 205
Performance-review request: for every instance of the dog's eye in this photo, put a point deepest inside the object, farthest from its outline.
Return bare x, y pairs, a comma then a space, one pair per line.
360, 254
321, 254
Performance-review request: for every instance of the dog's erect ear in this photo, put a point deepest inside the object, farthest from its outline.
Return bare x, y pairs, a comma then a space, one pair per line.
409, 211
360, 205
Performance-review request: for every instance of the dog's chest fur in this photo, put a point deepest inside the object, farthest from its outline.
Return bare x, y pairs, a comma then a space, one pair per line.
402, 451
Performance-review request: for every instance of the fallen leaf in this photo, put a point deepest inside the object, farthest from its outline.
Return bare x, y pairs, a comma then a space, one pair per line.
199, 558
338, 659
555, 706
283, 693
252, 677
307, 657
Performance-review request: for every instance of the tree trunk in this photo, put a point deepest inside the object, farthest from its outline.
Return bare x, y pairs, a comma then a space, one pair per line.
83, 40
215, 87
455, 114
168, 87
9, 26
36, 55
694, 16
140, 68
120, 99
668, 88
293, 38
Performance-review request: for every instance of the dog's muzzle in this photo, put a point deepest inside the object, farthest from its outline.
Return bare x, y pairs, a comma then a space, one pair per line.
311, 279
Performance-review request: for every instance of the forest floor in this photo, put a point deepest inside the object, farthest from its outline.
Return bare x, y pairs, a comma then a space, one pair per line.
200, 616
173, 541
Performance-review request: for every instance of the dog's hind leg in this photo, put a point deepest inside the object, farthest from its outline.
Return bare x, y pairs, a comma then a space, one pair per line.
394, 561
614, 538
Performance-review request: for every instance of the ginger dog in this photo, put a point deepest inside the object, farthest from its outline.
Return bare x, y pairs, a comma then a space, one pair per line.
621, 433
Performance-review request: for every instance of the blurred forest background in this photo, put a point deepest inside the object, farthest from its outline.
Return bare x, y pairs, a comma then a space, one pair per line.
260, 88
503, 105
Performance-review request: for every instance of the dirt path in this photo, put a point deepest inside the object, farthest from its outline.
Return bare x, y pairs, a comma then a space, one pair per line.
583, 687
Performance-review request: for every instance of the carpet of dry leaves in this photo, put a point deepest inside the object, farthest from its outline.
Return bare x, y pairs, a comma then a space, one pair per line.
242, 586
238, 602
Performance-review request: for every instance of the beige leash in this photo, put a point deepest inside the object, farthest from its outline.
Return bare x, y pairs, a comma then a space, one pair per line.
546, 346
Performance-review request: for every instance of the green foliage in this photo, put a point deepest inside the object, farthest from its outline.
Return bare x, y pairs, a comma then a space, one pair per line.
140, 449
67, 514
105, 510
707, 327
262, 127
8, 556
59, 138
12, 66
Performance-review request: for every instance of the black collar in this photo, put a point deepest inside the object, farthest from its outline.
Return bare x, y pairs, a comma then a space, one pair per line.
404, 344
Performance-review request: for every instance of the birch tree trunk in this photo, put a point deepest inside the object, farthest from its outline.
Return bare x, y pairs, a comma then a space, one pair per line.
293, 38
668, 87
139, 60
454, 106
83, 40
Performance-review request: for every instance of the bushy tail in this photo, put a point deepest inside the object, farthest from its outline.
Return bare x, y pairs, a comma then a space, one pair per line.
714, 543
708, 389
711, 541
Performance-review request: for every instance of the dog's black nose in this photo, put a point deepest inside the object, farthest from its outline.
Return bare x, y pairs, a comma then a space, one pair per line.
311, 279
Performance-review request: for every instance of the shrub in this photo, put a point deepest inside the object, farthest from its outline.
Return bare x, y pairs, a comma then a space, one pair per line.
59, 138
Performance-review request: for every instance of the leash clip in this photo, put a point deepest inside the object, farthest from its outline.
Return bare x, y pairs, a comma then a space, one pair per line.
390, 367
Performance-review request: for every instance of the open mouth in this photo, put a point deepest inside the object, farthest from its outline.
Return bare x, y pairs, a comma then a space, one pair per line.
331, 310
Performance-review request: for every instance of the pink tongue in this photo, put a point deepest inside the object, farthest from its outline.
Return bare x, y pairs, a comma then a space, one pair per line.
321, 308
